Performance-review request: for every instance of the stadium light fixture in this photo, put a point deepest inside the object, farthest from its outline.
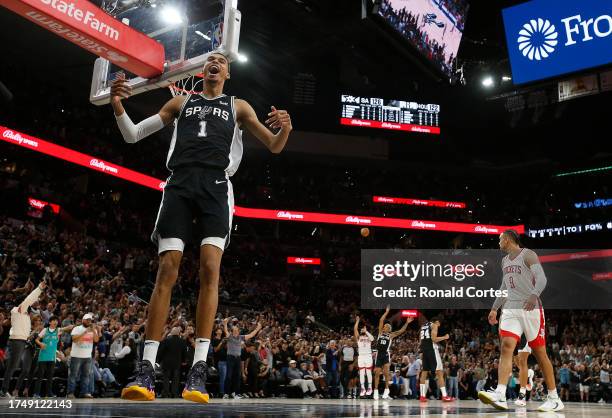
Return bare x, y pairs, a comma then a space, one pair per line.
506, 78
171, 16
242, 58
487, 81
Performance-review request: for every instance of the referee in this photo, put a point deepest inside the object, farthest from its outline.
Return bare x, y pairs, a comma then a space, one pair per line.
197, 203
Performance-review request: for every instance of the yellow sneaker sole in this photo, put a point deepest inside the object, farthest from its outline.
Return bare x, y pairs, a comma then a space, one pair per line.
137, 393
195, 396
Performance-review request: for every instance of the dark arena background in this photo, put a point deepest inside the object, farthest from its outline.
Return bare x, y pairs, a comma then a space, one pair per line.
416, 124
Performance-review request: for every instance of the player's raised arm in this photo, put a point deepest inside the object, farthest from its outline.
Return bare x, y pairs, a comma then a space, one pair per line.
277, 119
356, 328
402, 329
533, 262
381, 321
133, 133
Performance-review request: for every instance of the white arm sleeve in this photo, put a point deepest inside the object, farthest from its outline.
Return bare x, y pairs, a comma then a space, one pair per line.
134, 133
540, 278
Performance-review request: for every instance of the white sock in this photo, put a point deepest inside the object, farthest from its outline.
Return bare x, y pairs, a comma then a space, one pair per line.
369, 374
501, 389
201, 350
443, 390
553, 394
423, 390
150, 351
362, 377
523, 391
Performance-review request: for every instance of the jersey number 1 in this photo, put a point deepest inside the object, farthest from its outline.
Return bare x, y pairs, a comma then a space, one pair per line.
202, 133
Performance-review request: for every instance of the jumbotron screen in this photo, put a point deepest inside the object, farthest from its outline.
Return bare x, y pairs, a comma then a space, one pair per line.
433, 27
395, 115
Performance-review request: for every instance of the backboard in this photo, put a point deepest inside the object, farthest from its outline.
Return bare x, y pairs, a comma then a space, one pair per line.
189, 30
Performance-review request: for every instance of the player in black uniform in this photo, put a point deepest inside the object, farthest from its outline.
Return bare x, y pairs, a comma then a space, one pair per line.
432, 362
383, 348
197, 203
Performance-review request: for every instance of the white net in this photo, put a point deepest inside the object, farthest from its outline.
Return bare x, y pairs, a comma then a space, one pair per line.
193, 84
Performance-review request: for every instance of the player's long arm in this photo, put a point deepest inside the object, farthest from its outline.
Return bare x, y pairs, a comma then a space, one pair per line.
533, 262
499, 301
133, 133
248, 119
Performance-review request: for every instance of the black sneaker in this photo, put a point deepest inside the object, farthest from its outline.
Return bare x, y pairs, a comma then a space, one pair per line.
143, 386
195, 384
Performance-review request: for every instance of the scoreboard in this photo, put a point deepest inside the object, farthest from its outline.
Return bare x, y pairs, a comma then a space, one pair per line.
396, 115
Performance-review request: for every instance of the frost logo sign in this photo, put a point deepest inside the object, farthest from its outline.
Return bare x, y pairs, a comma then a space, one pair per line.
538, 39
548, 38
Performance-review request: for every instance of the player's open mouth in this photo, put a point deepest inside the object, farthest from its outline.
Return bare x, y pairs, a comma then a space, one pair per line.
214, 69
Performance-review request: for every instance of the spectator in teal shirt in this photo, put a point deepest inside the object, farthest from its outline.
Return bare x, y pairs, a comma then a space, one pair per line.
564, 382
47, 340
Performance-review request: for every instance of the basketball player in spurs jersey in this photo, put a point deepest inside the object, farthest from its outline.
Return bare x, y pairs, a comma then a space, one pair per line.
432, 362
364, 360
525, 373
383, 350
197, 204
524, 280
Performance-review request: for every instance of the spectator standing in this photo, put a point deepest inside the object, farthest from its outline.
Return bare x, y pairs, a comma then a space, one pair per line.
219, 346
331, 364
414, 368
453, 378
172, 353
83, 338
348, 356
48, 340
564, 382
234, 349
21, 328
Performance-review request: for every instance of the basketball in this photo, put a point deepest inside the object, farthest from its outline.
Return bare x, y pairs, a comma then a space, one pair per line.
365, 232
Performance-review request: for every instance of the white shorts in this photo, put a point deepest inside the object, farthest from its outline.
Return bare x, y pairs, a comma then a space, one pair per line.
525, 349
364, 362
516, 322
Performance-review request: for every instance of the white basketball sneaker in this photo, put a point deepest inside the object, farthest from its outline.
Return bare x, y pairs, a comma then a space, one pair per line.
551, 405
362, 392
376, 395
386, 394
520, 401
369, 392
495, 399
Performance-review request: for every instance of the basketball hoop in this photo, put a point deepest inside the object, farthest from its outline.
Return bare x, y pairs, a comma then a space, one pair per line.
193, 84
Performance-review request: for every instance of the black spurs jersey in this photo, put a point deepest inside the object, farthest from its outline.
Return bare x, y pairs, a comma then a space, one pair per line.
426, 341
383, 343
206, 134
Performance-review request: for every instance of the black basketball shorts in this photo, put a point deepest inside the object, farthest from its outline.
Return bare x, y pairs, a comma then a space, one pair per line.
432, 360
197, 207
382, 358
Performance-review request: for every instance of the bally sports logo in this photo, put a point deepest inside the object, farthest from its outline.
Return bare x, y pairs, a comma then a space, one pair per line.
357, 220
538, 38
423, 225
16, 136
289, 215
102, 166
486, 230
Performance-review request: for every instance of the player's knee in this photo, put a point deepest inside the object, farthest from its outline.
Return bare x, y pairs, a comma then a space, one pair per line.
168, 270
209, 271
508, 344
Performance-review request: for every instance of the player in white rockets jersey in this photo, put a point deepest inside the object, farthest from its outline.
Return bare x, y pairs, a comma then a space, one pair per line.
523, 281
364, 360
